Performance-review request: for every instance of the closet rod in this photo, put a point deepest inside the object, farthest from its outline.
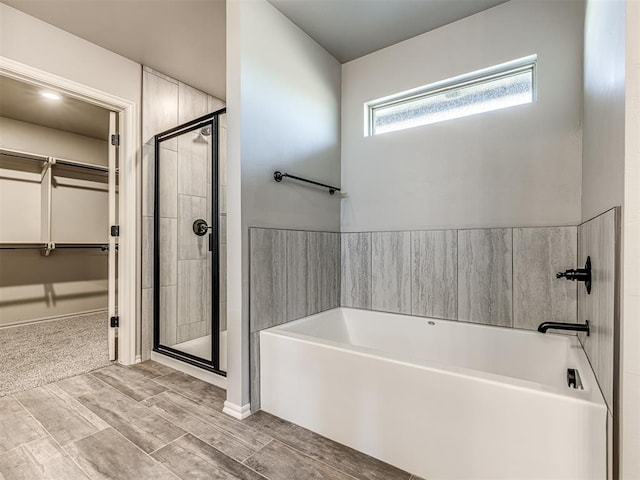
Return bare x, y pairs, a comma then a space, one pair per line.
16, 154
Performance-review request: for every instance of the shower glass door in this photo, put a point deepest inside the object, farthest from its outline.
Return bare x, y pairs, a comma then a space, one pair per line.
187, 243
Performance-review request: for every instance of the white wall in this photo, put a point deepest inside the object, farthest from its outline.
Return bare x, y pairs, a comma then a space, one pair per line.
31, 41
514, 167
283, 103
604, 97
630, 464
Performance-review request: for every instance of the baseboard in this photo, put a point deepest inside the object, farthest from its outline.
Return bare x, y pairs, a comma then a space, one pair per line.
237, 411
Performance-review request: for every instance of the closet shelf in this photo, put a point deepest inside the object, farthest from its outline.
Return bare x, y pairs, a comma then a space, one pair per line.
43, 159
104, 246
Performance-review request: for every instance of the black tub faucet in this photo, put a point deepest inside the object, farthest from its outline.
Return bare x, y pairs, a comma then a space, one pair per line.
577, 327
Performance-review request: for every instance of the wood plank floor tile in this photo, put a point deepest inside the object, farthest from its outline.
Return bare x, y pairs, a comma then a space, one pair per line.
277, 461
65, 420
240, 430
146, 429
17, 427
128, 381
39, 460
181, 415
192, 459
106, 455
202, 392
152, 369
341, 457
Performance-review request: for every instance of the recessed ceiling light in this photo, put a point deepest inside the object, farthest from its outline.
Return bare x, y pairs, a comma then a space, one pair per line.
51, 95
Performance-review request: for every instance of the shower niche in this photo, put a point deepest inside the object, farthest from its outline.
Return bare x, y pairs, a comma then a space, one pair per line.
190, 244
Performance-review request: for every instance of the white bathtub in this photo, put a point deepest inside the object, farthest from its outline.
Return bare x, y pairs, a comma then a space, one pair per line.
440, 399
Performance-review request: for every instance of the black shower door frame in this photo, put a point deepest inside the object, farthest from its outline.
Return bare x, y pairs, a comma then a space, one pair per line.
211, 120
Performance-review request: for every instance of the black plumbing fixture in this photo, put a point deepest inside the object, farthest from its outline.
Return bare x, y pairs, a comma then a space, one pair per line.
579, 274
577, 327
278, 176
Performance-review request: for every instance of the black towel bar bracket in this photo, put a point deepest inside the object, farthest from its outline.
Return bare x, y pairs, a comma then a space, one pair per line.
278, 176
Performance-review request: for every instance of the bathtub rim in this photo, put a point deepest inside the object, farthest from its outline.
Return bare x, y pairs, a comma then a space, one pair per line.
593, 396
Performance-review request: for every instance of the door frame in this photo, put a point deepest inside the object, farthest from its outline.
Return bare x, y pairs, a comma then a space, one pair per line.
128, 255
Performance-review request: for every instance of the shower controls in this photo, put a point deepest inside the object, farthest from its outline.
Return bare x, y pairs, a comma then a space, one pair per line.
579, 274
200, 227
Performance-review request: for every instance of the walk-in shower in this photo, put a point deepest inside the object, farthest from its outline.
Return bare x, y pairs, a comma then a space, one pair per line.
190, 244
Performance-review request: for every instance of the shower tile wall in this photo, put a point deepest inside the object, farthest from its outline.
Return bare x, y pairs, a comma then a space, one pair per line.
598, 238
185, 196
293, 274
489, 276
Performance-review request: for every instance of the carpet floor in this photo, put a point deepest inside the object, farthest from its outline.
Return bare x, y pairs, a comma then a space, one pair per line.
40, 353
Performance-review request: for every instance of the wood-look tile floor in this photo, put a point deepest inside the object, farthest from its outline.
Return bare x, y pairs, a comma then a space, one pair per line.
151, 422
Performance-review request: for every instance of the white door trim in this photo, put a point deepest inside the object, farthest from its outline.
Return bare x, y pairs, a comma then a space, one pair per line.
128, 255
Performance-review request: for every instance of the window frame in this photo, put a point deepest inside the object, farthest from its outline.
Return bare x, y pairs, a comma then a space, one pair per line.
478, 77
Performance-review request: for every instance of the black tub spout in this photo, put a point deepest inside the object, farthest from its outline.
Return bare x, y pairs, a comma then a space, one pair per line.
577, 327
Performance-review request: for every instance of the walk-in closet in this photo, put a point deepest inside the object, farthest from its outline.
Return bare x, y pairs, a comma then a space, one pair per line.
58, 250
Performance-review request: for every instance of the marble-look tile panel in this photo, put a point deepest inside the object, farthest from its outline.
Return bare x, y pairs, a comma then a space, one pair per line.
190, 245
341, 457
147, 252
146, 326
193, 286
159, 107
268, 278
193, 162
192, 103
148, 179
222, 156
434, 270
194, 330
391, 271
107, 455
168, 315
222, 272
298, 272
168, 251
192, 459
128, 381
598, 239
39, 460
356, 270
18, 426
538, 296
66, 420
323, 275
485, 276
168, 183
254, 371
216, 104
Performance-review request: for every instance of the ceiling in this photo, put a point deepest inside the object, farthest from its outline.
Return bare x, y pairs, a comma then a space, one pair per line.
24, 102
349, 29
185, 39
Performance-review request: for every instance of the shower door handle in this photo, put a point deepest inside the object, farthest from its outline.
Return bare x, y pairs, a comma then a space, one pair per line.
200, 227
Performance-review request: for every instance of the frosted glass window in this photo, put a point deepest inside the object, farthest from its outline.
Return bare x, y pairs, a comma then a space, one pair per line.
457, 98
